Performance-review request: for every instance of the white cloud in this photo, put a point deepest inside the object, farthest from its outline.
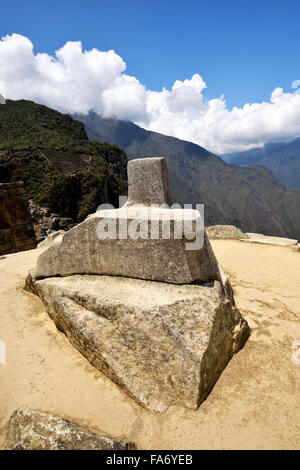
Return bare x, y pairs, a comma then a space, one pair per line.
72, 81
75, 80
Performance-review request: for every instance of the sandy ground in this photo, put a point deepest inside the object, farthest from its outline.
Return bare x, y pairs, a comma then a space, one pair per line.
255, 403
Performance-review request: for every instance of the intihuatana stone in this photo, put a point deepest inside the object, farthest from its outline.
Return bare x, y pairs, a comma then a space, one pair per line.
32, 430
154, 243
161, 343
148, 182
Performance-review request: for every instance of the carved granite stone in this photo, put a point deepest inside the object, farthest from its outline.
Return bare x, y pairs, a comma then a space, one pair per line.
148, 182
163, 343
149, 252
32, 430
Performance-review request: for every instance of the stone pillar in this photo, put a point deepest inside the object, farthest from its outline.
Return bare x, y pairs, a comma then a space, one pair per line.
148, 182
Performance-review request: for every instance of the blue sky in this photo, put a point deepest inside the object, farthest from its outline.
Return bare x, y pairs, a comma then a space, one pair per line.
243, 49
217, 73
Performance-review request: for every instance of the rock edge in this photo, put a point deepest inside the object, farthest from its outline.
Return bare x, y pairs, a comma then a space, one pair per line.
33, 430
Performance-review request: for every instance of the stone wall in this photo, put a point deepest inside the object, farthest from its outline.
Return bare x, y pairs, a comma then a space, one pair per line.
16, 227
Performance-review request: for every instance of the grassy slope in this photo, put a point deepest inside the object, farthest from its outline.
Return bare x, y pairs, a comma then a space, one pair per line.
27, 129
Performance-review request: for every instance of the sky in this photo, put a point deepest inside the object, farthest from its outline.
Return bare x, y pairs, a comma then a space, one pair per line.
222, 74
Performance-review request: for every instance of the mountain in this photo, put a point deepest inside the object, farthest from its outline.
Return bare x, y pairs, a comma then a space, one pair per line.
250, 198
250, 157
62, 170
281, 158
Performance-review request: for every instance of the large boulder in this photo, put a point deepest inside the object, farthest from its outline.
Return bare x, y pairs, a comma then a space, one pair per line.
164, 342
32, 430
161, 343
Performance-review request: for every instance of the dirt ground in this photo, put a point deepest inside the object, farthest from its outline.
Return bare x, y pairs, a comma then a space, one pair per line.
254, 405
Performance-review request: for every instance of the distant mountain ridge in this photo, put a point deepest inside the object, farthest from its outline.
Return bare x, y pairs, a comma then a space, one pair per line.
283, 159
250, 198
249, 157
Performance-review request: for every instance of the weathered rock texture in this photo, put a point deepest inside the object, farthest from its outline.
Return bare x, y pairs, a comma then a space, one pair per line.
32, 430
225, 232
54, 237
148, 182
16, 227
161, 343
83, 251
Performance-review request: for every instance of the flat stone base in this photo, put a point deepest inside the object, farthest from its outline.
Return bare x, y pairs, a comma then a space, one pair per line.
163, 344
268, 240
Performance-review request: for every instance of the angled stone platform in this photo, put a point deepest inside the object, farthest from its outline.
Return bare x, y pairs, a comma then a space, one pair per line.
81, 251
162, 344
269, 240
146, 254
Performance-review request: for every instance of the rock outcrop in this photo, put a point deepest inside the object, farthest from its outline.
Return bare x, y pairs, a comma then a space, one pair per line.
16, 227
32, 430
46, 222
65, 175
53, 237
163, 343
225, 232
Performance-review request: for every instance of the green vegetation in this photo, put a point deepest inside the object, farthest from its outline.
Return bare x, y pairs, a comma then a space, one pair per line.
61, 168
25, 125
